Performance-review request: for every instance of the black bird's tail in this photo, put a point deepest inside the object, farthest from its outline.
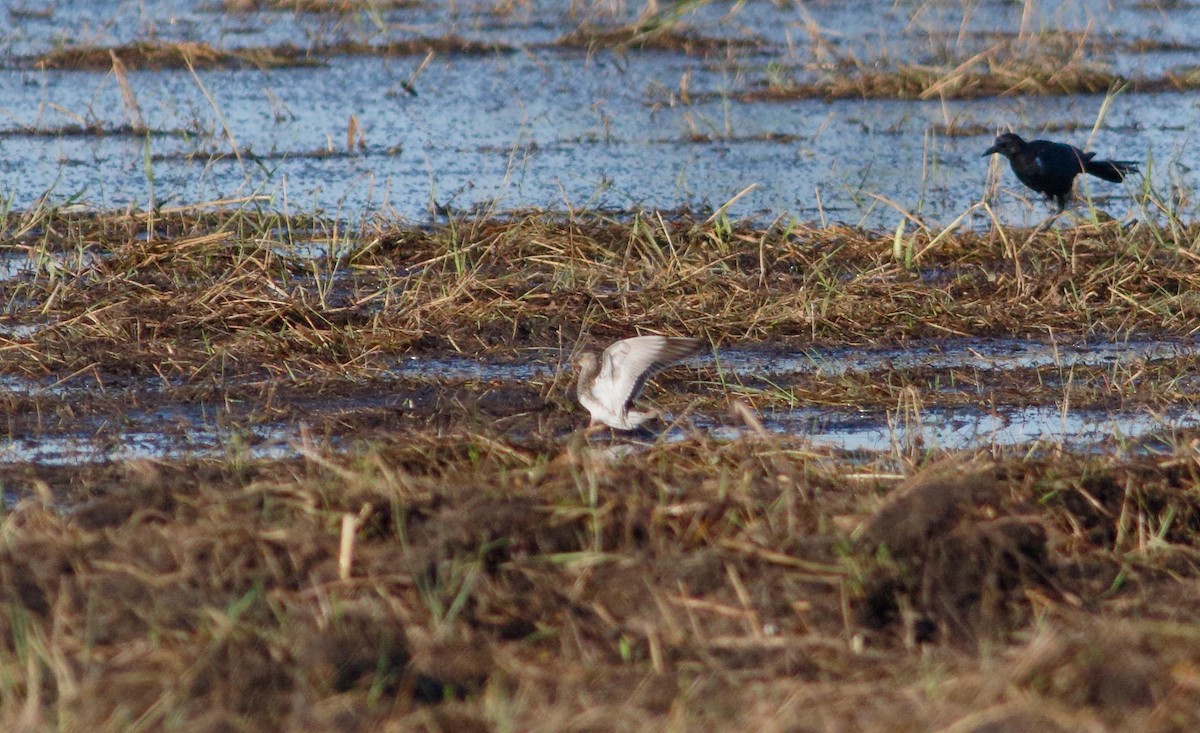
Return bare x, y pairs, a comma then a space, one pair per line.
1111, 170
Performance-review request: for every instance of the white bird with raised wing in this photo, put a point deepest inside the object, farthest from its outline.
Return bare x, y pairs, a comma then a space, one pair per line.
609, 382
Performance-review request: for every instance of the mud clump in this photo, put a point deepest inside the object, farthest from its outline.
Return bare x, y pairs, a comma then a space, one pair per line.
964, 575
973, 580
928, 504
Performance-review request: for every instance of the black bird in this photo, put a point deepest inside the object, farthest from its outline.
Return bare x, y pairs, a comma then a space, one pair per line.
1050, 168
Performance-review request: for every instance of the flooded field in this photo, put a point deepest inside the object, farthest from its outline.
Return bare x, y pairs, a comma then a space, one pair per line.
407, 108
290, 291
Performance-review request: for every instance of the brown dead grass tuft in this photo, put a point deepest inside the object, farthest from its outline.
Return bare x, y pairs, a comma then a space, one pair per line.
981, 76
317, 6
175, 55
527, 586
178, 55
1051, 63
649, 36
448, 44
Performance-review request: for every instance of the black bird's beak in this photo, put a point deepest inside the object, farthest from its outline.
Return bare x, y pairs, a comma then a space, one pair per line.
990, 151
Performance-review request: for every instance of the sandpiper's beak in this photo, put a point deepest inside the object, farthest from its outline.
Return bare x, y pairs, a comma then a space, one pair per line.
990, 151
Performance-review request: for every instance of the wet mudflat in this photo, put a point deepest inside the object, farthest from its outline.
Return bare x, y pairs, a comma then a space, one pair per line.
130, 336
266, 473
288, 291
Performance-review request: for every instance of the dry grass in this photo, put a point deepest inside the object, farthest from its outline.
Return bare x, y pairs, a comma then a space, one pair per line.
647, 36
468, 583
180, 55
173, 55
984, 77
137, 315
317, 6
478, 565
90, 130
229, 294
1052, 63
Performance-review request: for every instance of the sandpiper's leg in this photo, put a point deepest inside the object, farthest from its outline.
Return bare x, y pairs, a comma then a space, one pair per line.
593, 428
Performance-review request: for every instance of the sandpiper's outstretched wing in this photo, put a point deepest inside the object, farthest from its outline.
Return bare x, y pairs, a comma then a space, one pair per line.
626, 365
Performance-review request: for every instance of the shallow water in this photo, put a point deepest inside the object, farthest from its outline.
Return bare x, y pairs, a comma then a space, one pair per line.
197, 441
13, 263
192, 435
959, 353
553, 127
160, 426
969, 354
968, 428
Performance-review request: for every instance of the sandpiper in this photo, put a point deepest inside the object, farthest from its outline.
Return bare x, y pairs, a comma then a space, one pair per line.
609, 382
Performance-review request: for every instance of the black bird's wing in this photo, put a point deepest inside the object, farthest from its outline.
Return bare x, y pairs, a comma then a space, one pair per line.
1050, 168
1061, 156
1053, 157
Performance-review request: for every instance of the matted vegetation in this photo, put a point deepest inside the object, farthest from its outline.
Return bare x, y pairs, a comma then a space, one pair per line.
317, 6
257, 312
181, 55
168, 55
984, 77
470, 561
655, 35
970, 66
188, 294
466, 582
